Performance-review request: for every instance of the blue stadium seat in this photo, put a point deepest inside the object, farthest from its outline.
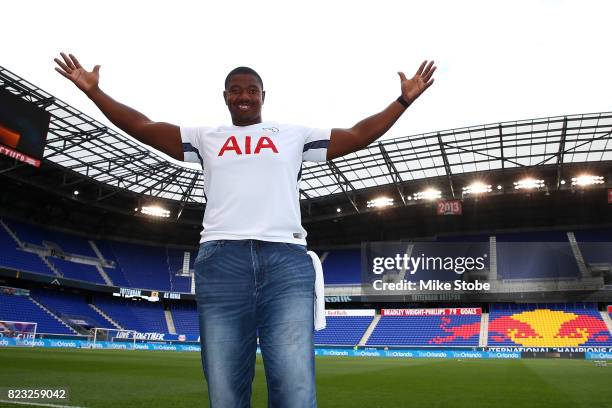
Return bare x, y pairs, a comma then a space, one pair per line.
446, 330
139, 315
595, 245
342, 267
536, 255
185, 317
175, 263
23, 309
14, 258
70, 307
36, 234
73, 270
115, 274
547, 325
144, 266
343, 330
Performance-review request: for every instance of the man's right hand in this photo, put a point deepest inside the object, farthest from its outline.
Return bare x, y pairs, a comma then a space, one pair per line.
162, 136
71, 68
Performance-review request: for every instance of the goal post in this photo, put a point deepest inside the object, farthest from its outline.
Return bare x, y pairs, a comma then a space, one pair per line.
24, 333
113, 338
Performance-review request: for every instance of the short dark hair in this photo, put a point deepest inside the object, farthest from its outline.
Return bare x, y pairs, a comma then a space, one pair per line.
243, 70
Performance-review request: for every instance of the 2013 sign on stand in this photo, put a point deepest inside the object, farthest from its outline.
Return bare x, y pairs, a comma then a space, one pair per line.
452, 207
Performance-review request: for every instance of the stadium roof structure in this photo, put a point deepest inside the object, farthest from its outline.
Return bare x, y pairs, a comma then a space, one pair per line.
90, 149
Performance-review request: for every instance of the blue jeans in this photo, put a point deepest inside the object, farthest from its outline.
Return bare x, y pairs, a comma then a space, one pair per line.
246, 289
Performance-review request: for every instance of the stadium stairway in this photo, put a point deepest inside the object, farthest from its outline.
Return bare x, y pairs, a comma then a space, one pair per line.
606, 318
104, 276
12, 234
484, 330
169, 322
110, 265
40, 305
408, 253
96, 250
369, 330
578, 255
107, 317
186, 262
493, 258
52, 267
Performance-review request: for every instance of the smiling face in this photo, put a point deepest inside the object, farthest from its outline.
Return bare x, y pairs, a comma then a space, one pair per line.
244, 98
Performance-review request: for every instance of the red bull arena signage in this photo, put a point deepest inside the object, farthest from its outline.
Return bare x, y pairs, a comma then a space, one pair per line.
545, 327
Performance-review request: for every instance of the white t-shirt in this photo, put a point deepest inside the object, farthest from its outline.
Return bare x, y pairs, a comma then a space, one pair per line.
251, 178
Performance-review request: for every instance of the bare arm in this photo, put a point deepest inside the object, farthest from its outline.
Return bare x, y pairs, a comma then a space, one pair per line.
345, 141
160, 135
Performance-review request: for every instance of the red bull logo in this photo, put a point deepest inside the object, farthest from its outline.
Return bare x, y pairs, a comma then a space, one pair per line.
464, 331
548, 328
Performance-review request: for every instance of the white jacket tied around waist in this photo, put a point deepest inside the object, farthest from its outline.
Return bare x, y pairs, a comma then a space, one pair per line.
319, 305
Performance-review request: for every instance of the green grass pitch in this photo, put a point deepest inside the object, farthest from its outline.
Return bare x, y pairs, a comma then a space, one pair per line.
119, 378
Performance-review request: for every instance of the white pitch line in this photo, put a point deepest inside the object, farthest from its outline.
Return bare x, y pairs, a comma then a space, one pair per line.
38, 404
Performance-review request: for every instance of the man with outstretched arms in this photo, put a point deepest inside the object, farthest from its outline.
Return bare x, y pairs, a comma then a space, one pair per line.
252, 273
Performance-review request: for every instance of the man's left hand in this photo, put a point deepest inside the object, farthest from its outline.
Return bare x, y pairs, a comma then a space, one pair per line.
412, 88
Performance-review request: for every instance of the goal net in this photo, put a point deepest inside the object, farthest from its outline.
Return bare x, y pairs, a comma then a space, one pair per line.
23, 333
112, 338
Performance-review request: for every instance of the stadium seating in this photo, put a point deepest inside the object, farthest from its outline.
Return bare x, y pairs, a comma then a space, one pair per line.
536, 255
73, 270
446, 330
533, 236
14, 258
521, 256
532, 255
547, 325
343, 330
342, 267
148, 267
185, 317
70, 307
139, 315
595, 245
593, 235
23, 309
115, 274
175, 264
37, 235
138, 266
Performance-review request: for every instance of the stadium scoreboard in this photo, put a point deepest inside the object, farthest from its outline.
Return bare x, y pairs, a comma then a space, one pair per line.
23, 129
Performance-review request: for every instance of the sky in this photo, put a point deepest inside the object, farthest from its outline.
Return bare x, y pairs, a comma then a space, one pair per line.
323, 63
